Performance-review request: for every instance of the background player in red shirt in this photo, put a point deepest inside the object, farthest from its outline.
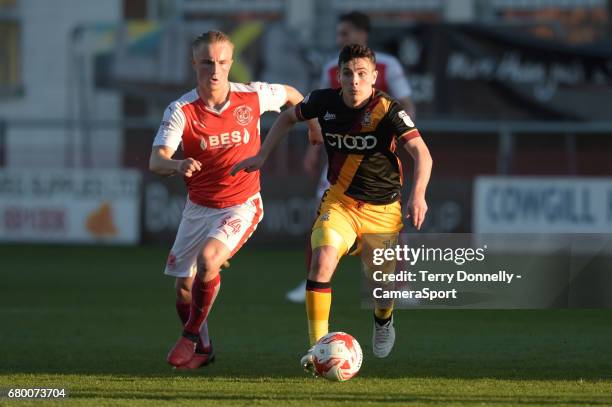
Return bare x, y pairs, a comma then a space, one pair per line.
217, 125
354, 28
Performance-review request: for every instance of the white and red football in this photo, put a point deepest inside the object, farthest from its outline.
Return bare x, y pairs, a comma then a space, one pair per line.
337, 356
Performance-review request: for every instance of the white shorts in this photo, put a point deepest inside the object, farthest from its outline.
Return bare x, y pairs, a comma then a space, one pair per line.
233, 226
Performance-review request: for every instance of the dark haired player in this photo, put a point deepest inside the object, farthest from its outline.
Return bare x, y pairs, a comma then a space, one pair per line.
354, 27
362, 128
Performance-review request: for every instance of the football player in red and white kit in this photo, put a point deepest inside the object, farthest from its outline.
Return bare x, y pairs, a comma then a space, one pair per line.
217, 125
354, 28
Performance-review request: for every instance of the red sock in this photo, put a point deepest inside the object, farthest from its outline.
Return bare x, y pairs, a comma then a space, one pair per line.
202, 297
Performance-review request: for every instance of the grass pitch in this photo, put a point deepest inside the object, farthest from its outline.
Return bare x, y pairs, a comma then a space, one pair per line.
99, 322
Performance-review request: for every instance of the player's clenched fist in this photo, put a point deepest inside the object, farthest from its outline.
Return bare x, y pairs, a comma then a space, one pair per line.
188, 166
249, 165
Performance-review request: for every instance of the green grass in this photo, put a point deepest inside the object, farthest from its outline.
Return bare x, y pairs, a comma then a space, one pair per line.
99, 322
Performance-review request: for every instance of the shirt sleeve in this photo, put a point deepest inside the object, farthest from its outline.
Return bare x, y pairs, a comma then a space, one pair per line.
272, 96
401, 124
170, 131
310, 107
399, 87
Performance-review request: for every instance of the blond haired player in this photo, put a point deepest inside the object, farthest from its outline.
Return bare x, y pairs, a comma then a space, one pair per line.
362, 129
217, 125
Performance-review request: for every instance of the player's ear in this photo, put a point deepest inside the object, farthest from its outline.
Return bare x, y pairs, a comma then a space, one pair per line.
374, 76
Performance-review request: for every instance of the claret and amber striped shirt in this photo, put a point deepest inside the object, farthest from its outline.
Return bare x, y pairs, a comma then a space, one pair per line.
361, 143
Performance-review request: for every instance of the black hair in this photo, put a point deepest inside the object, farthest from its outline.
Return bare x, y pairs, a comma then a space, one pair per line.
353, 51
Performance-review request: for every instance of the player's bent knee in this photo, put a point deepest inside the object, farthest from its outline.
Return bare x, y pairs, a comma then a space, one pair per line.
209, 265
207, 269
211, 259
214, 253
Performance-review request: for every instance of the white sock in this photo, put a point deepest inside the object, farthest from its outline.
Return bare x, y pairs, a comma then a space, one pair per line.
204, 334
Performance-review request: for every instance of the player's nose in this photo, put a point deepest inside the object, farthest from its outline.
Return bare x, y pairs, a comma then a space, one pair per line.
214, 67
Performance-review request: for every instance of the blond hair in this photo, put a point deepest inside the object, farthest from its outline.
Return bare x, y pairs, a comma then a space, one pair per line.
210, 37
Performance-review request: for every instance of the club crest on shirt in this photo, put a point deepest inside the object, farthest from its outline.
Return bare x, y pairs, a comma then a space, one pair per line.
243, 115
367, 119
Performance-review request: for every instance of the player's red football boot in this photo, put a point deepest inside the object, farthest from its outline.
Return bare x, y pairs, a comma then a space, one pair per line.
199, 359
182, 352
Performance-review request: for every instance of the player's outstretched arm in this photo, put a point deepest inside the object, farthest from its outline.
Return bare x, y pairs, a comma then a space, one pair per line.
314, 130
161, 163
311, 159
281, 126
293, 95
417, 206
